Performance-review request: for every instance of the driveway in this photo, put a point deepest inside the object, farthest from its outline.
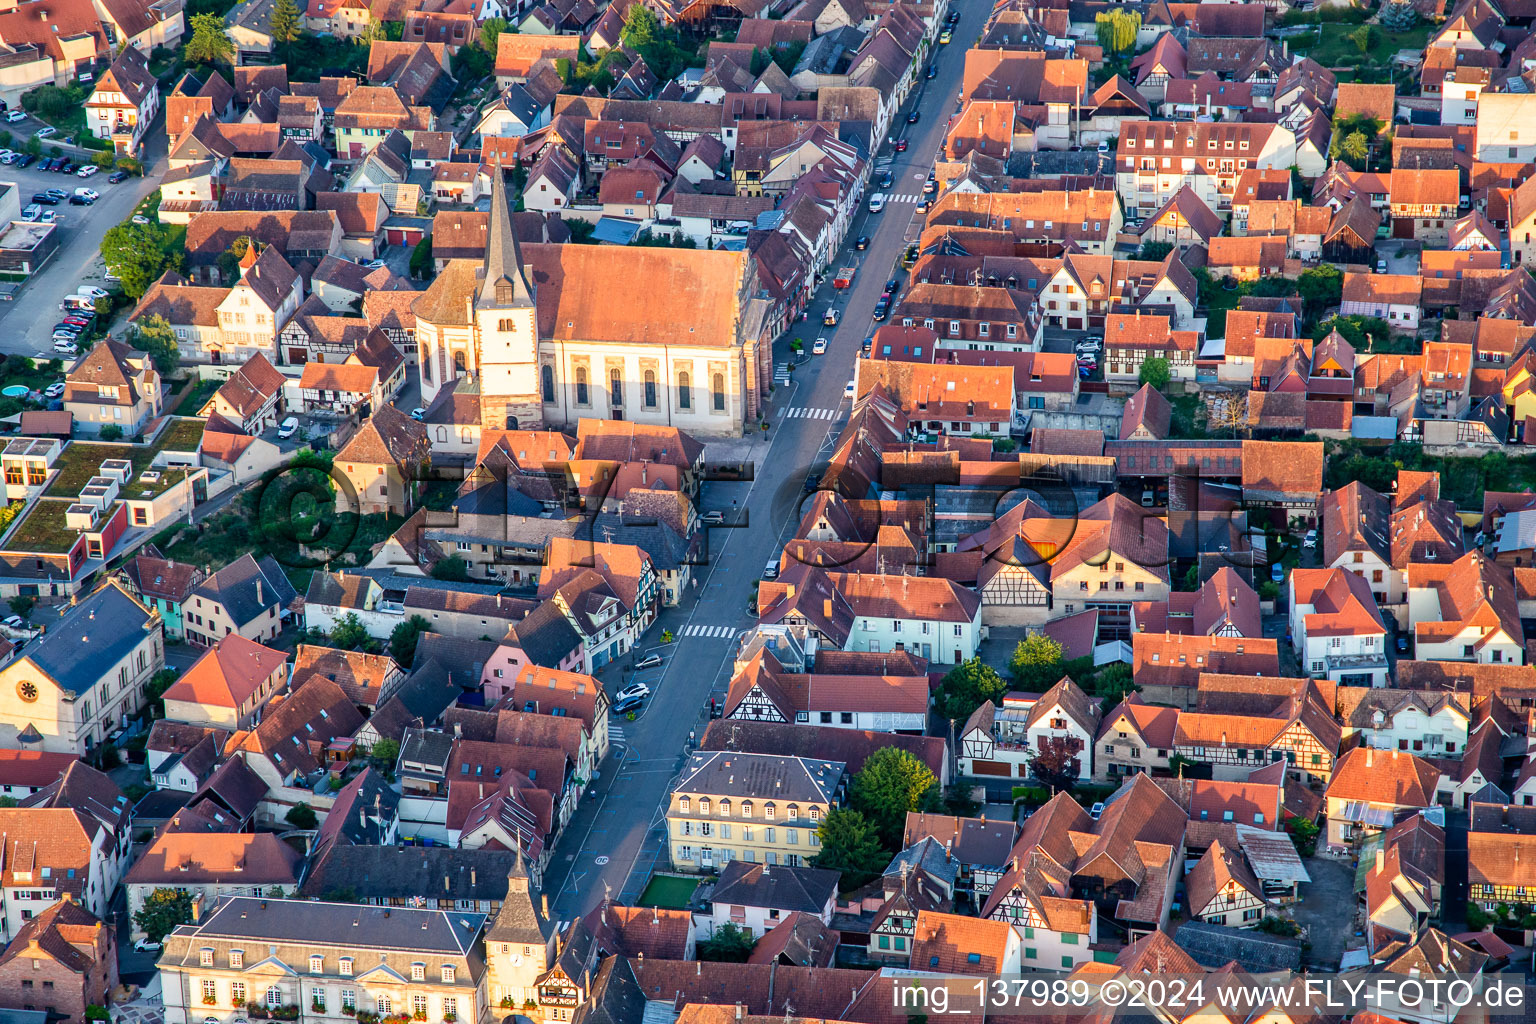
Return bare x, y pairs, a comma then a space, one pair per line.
1328, 911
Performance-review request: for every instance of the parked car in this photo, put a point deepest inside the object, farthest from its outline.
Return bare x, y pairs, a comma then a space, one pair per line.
901, 145
287, 428
628, 704
89, 170
15, 115
1310, 540
146, 946
32, 212
27, 160
877, 202
14, 621
117, 176
848, 389
139, 218
372, 264
819, 347
634, 690
649, 661
80, 201
54, 390
913, 117
1402, 643
1096, 810
57, 193
65, 347
713, 518
419, 412
88, 193
886, 180
932, 72
862, 243
1277, 572
47, 131
45, 198
93, 292
830, 318
65, 168
1381, 264
944, 38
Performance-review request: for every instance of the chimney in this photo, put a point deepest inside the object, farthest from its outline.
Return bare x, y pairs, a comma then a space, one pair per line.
1381, 859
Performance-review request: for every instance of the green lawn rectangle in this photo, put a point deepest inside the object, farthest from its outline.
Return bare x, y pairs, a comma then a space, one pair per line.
668, 891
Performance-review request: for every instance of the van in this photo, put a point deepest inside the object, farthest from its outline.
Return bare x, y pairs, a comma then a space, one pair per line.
771, 570
1148, 498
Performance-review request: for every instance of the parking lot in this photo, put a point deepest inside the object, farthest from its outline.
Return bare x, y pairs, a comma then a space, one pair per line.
26, 324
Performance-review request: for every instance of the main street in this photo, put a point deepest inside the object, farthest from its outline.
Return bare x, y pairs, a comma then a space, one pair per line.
617, 836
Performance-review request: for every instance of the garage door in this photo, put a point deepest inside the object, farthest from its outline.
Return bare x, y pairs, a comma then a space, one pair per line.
1074, 323
395, 236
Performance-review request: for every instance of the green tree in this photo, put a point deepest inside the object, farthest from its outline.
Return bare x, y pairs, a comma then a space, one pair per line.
350, 634
136, 254
1320, 287
490, 33
581, 231
301, 816
850, 844
1365, 37
111, 432
421, 259
384, 754
154, 690
1356, 148
21, 604
967, 687
130, 165
453, 568
163, 910
1154, 371
640, 27
1037, 662
153, 334
729, 944
472, 63
208, 43
1154, 251
891, 783
402, 641
1398, 15
1116, 30
50, 102
228, 261
284, 23
33, 146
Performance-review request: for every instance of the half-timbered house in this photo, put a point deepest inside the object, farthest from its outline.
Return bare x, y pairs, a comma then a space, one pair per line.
1134, 737
1223, 890
762, 691
1001, 742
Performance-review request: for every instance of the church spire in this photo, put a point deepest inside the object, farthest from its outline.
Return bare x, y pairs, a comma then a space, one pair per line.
504, 282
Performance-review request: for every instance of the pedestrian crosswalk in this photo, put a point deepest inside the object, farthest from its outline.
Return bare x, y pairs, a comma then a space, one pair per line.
809, 414
904, 197
709, 631
781, 373
615, 734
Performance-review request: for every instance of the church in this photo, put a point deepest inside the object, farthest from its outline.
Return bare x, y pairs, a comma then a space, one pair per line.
547, 335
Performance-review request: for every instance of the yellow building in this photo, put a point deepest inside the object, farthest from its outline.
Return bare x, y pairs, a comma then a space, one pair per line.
760, 808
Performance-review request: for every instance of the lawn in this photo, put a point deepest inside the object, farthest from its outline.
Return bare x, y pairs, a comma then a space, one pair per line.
79, 461
198, 396
181, 435
43, 530
1335, 48
668, 891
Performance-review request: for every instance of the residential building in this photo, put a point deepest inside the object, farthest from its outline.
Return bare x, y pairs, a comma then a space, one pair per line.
757, 808
227, 687
248, 597
210, 865
391, 960
1003, 741
125, 100
758, 897
113, 385
1336, 628
79, 682
1369, 787
62, 961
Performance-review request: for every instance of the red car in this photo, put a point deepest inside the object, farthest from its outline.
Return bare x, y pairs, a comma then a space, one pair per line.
901, 145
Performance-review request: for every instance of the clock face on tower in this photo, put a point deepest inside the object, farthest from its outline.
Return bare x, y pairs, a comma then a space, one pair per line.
517, 959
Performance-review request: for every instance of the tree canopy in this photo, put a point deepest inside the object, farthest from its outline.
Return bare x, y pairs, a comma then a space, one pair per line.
1116, 30
153, 334
136, 254
729, 944
208, 42
163, 910
1154, 371
284, 22
967, 687
891, 783
851, 844
402, 641
1037, 662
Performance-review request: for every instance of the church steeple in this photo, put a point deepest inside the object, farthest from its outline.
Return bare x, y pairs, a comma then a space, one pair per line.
503, 280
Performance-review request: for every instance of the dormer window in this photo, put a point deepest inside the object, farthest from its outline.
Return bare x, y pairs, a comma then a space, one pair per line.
237, 958
344, 966
316, 963
418, 972
447, 974
683, 805
205, 957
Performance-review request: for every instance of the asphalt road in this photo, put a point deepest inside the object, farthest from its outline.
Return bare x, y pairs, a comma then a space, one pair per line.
617, 836
26, 325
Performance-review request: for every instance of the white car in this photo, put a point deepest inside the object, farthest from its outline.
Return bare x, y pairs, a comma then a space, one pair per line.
86, 172
1087, 345
32, 212
848, 389
650, 661
54, 390
145, 946
47, 131
372, 264
633, 690
65, 348
1310, 540
819, 347
877, 202
139, 218
49, 217
287, 428
87, 193
15, 115
92, 292
14, 621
